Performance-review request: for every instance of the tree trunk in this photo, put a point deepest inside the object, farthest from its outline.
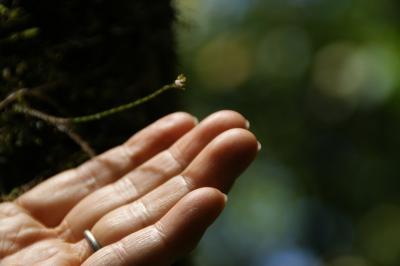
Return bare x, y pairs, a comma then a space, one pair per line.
76, 58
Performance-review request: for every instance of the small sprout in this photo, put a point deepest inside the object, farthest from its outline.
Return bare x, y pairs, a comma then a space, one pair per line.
180, 82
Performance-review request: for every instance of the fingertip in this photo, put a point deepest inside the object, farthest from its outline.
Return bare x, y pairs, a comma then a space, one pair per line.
181, 117
237, 138
229, 116
196, 120
223, 160
206, 198
247, 124
233, 145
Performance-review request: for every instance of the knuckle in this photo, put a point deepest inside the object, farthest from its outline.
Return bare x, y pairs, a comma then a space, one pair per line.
160, 234
119, 252
139, 211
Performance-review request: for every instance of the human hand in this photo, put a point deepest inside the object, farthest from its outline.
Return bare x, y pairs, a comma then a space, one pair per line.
147, 202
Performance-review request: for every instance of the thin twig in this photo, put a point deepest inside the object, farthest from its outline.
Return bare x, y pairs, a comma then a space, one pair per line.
35, 92
79, 140
61, 124
178, 84
54, 120
65, 124
12, 97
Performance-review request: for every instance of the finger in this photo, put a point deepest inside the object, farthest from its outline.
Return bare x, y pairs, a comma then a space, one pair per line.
176, 234
217, 165
147, 176
60, 193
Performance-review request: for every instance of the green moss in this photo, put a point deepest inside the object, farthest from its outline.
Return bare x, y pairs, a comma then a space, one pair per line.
80, 58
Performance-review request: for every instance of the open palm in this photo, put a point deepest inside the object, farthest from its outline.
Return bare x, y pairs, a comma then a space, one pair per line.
147, 201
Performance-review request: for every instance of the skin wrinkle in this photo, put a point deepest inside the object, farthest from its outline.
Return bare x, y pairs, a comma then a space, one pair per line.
82, 249
9, 209
128, 154
161, 234
148, 237
94, 178
146, 210
50, 256
15, 238
25, 232
91, 181
177, 157
174, 189
47, 253
7, 240
119, 250
154, 174
64, 231
125, 189
65, 178
140, 211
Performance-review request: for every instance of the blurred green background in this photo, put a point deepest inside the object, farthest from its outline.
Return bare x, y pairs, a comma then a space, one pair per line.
319, 82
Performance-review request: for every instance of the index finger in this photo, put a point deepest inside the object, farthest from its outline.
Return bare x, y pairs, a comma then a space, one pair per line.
60, 193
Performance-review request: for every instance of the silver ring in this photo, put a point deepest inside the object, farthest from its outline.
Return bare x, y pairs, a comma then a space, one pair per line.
92, 240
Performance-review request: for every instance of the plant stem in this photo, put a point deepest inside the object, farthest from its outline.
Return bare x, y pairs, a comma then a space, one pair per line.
121, 108
65, 124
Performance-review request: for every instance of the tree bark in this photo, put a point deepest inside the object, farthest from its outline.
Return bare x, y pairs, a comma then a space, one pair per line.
77, 58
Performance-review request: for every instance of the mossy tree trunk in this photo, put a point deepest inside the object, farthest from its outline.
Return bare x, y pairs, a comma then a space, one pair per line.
79, 57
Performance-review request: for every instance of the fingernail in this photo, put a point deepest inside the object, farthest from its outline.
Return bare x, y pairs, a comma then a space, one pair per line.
196, 120
225, 198
247, 124
259, 148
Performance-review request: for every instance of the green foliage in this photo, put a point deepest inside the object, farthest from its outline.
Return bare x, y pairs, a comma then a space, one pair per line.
319, 82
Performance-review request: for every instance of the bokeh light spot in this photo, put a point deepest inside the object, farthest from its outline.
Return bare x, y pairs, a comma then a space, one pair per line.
224, 63
380, 234
292, 257
361, 76
328, 70
284, 53
348, 261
